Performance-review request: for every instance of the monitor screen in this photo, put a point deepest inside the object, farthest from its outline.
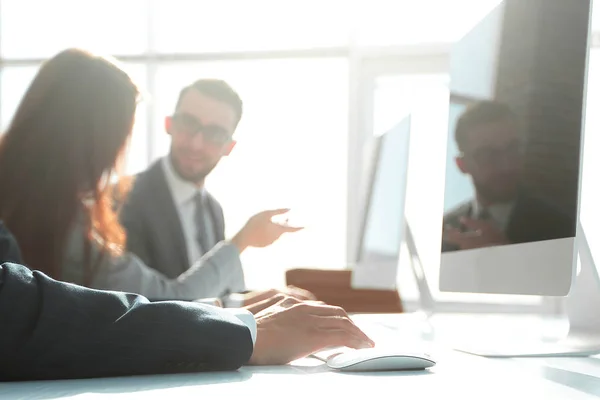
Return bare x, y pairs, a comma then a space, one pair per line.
513, 166
383, 224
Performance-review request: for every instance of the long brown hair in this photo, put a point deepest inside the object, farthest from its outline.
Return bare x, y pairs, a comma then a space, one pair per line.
62, 145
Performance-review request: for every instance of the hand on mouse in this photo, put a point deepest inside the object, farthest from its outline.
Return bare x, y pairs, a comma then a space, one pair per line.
291, 329
261, 230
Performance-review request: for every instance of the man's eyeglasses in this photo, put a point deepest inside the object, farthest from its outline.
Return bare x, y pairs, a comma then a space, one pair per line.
191, 126
493, 157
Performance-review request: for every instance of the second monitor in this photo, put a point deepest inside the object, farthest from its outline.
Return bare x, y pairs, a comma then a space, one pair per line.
514, 150
382, 229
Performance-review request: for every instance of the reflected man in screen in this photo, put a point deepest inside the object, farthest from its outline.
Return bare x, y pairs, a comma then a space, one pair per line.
503, 211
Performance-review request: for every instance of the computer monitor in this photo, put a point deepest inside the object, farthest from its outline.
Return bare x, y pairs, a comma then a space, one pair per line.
382, 228
514, 151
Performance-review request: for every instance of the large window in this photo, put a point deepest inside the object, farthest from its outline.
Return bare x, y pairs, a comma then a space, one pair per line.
304, 72
33, 29
208, 26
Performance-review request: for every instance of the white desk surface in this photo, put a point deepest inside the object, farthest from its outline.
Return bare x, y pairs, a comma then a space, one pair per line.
457, 375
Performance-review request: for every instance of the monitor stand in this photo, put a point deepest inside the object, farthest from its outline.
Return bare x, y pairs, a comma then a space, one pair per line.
583, 338
426, 300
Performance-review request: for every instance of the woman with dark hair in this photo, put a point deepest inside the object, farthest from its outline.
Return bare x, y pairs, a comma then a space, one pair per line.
56, 160
64, 144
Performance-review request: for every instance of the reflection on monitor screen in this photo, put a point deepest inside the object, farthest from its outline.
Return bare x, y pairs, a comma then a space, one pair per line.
514, 150
384, 217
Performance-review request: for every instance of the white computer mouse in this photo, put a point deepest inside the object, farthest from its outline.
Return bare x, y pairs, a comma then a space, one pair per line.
374, 359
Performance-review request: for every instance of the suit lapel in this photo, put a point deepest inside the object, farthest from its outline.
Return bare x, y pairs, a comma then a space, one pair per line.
166, 216
216, 214
516, 231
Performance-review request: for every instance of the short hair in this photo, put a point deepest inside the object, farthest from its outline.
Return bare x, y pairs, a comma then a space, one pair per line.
480, 113
218, 90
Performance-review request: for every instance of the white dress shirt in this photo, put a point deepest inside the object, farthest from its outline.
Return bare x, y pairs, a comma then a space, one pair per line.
183, 193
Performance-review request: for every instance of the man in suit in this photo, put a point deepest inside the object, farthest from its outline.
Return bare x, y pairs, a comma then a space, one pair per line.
170, 218
57, 330
503, 211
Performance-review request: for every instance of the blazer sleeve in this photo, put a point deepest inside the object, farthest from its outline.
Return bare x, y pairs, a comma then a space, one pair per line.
213, 274
57, 330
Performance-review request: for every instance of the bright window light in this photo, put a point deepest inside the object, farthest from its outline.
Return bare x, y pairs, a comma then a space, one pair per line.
291, 152
39, 29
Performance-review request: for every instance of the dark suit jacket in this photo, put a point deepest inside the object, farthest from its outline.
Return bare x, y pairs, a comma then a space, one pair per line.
531, 220
154, 231
56, 330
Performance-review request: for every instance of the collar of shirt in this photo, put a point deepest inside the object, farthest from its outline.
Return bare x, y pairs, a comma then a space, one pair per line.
182, 190
500, 213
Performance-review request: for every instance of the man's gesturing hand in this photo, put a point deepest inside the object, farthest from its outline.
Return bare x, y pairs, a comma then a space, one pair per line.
261, 231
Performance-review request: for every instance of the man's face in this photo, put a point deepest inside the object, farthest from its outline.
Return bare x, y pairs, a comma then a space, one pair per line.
492, 155
201, 133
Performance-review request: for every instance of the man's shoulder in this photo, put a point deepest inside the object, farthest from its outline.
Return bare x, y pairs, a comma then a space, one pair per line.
146, 181
150, 176
543, 217
137, 189
545, 210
